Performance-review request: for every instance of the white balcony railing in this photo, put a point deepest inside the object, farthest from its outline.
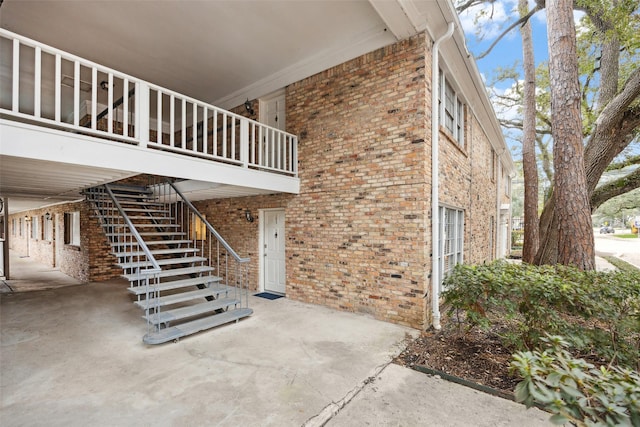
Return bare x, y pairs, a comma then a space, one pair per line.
48, 87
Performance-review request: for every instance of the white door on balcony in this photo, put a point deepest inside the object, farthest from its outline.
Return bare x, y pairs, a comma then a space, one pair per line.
272, 110
274, 265
272, 113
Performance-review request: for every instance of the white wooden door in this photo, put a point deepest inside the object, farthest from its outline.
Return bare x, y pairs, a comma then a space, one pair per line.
272, 110
275, 273
272, 113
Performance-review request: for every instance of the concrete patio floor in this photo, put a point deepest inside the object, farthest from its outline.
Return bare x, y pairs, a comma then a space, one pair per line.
73, 356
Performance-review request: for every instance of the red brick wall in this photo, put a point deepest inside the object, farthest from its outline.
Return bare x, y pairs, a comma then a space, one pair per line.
356, 233
91, 261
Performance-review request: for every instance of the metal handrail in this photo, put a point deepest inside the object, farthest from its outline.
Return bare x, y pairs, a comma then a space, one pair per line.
155, 266
118, 102
209, 226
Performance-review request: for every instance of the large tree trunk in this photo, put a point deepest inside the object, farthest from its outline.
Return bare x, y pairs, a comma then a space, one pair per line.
572, 214
529, 165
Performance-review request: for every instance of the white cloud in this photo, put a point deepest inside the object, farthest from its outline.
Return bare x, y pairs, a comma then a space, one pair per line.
487, 21
505, 108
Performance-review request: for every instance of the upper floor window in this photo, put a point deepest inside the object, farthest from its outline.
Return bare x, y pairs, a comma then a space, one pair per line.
451, 110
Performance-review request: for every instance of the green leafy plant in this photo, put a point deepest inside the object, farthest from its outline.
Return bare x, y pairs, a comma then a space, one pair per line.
600, 311
574, 390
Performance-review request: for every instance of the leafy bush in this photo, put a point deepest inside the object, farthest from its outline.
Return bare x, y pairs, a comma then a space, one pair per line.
600, 311
574, 390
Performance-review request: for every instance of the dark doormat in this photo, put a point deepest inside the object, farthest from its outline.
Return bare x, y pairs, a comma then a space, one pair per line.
268, 295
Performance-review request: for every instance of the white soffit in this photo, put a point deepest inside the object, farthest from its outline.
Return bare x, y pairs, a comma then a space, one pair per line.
210, 50
395, 16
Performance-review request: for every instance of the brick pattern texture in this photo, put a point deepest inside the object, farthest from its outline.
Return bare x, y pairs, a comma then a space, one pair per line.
358, 236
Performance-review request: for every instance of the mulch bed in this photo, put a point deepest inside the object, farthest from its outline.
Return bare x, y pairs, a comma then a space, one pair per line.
475, 356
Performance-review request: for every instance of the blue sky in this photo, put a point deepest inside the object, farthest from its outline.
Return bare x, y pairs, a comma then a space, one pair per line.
498, 17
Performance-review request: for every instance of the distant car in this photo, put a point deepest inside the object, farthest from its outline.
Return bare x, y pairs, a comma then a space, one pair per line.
607, 230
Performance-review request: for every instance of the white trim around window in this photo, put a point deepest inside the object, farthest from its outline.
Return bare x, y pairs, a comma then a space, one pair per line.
451, 111
451, 244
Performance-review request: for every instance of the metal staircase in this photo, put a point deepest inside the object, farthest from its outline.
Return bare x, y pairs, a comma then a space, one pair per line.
185, 277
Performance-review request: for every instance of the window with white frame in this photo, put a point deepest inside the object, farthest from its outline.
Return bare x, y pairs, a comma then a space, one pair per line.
14, 227
47, 228
451, 110
451, 242
72, 228
35, 227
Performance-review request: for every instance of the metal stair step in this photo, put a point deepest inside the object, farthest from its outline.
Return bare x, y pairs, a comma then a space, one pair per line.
188, 328
181, 297
124, 188
169, 251
190, 311
133, 217
124, 208
173, 272
167, 261
184, 283
153, 242
147, 225
150, 233
136, 202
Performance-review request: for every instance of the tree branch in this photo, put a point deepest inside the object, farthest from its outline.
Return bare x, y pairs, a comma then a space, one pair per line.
615, 188
520, 21
633, 160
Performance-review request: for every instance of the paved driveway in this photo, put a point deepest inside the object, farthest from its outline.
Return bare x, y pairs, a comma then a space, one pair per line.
74, 357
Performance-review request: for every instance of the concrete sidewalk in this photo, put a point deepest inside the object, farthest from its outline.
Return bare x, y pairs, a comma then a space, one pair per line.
73, 356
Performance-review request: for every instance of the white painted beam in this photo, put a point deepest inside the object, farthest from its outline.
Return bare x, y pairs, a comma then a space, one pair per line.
33, 142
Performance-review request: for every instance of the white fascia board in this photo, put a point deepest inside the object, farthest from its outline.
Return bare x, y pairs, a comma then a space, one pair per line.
395, 17
34, 142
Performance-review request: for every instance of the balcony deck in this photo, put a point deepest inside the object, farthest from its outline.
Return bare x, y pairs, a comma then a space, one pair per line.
69, 119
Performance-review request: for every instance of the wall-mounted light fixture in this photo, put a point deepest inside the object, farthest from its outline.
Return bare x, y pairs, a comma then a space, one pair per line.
47, 216
27, 218
249, 107
248, 216
104, 85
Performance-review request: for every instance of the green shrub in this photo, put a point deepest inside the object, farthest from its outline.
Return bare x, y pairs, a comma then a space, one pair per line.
600, 311
574, 390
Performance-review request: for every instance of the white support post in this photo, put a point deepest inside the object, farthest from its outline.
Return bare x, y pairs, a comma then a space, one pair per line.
252, 148
15, 99
94, 98
58, 87
205, 130
183, 133
172, 121
143, 113
224, 135
159, 117
233, 137
214, 141
294, 157
110, 105
37, 82
76, 93
244, 142
194, 129
125, 105
260, 145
